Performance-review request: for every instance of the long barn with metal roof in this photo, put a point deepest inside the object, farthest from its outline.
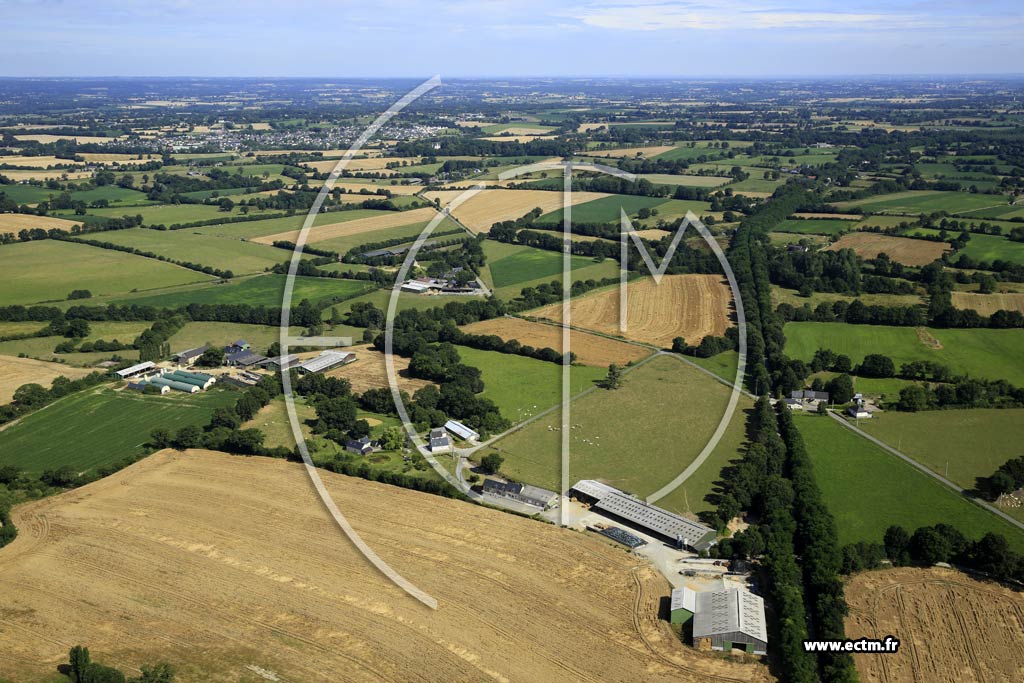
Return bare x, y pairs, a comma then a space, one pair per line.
647, 517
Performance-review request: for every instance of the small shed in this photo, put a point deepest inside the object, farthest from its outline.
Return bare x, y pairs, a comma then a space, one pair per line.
683, 606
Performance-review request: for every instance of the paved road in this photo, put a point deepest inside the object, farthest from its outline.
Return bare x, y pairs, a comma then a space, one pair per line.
938, 477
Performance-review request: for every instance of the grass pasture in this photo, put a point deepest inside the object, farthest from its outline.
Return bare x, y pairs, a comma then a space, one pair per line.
983, 353
93, 428
261, 290
195, 334
603, 210
48, 270
926, 201
868, 489
815, 226
640, 454
197, 247
959, 444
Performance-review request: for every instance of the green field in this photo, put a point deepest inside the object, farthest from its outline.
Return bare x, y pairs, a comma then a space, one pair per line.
42, 347
98, 427
868, 489
603, 210
117, 196
193, 247
982, 247
685, 180
196, 334
637, 437
815, 226
261, 290
927, 201
970, 443
982, 353
522, 387
167, 214
27, 194
513, 264
48, 270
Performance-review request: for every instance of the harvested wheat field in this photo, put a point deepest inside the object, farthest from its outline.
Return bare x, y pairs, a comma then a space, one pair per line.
319, 233
488, 207
630, 151
17, 371
80, 139
909, 252
590, 349
987, 304
354, 188
228, 565
37, 162
368, 371
371, 164
13, 222
44, 174
97, 158
952, 628
688, 306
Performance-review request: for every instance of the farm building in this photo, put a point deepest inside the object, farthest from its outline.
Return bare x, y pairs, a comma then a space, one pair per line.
858, 412
195, 379
809, 396
237, 346
326, 361
137, 370
190, 356
683, 605
522, 493
415, 287
727, 619
180, 386
439, 441
141, 386
793, 403
278, 363
243, 359
460, 430
641, 515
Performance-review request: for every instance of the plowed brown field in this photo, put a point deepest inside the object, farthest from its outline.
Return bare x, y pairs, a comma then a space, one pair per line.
909, 252
229, 565
952, 628
590, 349
688, 306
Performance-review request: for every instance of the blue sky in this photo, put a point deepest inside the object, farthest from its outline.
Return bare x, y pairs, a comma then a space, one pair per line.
508, 38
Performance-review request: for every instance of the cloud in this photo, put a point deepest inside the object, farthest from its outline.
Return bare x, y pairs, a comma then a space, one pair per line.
656, 16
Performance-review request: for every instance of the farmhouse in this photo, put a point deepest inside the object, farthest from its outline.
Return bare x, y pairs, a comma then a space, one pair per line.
726, 619
651, 519
858, 412
361, 446
326, 361
136, 370
522, 493
460, 430
189, 356
439, 441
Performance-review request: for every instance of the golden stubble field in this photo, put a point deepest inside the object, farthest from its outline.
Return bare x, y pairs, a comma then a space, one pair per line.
987, 304
229, 565
15, 372
590, 349
14, 222
952, 628
909, 252
688, 306
319, 233
492, 206
369, 371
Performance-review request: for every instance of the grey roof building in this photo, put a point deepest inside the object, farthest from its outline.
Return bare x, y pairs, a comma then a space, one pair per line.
731, 618
189, 356
439, 440
523, 493
647, 517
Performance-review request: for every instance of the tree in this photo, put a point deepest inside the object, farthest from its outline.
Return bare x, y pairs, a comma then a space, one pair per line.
928, 546
189, 436
158, 673
913, 398
491, 463
613, 380
211, 358
77, 329
161, 438
392, 439
338, 413
225, 417
840, 388
78, 661
876, 365
897, 545
30, 395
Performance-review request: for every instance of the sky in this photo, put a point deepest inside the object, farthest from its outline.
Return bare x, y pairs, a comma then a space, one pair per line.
471, 38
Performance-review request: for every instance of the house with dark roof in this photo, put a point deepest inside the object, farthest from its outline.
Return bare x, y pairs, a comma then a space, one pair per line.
360, 446
243, 359
189, 356
522, 493
440, 442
